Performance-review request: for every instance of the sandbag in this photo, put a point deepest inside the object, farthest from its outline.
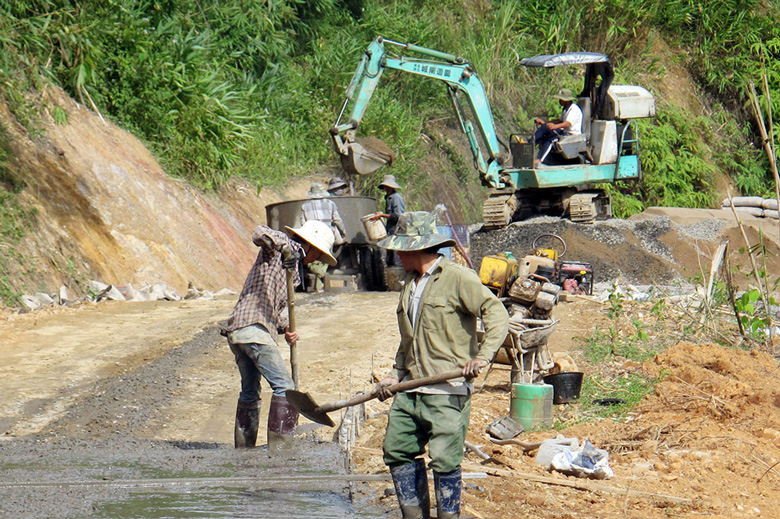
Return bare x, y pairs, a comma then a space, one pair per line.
744, 201
753, 211
770, 203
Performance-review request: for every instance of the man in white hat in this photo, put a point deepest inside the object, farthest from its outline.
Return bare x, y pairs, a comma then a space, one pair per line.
438, 309
394, 208
570, 123
258, 318
322, 208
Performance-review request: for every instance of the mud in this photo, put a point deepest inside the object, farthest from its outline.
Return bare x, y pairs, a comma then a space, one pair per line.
129, 477
126, 410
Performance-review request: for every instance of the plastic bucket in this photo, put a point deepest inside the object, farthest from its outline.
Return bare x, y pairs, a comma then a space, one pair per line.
531, 405
566, 386
374, 229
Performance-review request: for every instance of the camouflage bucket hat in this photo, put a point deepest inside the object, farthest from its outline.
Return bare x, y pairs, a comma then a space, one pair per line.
416, 230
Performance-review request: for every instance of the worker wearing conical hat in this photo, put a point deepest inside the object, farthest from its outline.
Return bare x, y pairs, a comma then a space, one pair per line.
259, 317
337, 186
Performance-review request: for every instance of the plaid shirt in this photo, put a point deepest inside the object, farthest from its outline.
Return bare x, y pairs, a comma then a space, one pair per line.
321, 209
264, 296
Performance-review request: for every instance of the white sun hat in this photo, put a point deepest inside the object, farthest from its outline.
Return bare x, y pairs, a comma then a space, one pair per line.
319, 235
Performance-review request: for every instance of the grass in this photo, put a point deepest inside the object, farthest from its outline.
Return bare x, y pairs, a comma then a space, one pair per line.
627, 391
231, 89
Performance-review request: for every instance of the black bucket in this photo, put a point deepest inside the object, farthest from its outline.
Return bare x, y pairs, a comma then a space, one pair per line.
566, 386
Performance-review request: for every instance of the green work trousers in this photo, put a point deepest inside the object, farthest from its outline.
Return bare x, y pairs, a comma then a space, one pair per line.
417, 420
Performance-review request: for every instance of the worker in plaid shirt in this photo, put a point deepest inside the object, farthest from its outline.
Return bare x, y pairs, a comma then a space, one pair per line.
259, 317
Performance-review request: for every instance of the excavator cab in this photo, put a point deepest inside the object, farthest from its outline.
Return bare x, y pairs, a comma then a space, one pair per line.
598, 79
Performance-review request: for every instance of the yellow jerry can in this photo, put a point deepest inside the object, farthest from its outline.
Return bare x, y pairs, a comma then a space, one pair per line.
498, 272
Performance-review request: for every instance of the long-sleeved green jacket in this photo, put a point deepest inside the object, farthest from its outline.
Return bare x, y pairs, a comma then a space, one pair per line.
445, 334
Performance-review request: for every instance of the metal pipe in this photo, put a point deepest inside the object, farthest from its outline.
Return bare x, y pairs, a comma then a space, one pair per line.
341, 113
452, 58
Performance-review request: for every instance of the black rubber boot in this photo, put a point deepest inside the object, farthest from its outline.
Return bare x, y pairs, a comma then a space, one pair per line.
282, 419
411, 489
247, 420
448, 488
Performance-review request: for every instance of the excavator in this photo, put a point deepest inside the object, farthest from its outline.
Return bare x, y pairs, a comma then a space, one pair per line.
565, 185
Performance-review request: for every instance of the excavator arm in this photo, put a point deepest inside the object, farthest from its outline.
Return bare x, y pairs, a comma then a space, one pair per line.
363, 156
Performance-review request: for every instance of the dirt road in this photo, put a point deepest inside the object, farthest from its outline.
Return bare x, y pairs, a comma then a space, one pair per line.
151, 387
52, 360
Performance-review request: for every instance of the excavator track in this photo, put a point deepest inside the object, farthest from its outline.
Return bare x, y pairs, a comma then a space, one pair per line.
497, 211
588, 206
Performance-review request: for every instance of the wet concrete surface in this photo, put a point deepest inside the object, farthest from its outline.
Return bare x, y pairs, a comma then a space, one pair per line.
97, 460
130, 478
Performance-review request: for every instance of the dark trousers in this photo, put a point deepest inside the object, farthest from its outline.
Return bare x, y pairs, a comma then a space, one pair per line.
545, 138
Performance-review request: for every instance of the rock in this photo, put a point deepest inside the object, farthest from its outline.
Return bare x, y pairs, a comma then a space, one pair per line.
30, 303
114, 294
536, 499
160, 291
63, 296
130, 293
44, 299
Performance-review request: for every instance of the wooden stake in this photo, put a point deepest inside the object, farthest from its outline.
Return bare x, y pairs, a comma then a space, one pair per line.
761, 290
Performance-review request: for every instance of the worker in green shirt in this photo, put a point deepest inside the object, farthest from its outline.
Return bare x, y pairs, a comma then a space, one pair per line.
438, 310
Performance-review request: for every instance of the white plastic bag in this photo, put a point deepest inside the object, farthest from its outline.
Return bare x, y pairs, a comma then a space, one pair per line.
587, 462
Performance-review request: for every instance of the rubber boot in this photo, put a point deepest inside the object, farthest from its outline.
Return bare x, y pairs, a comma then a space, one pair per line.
411, 488
282, 419
247, 420
448, 487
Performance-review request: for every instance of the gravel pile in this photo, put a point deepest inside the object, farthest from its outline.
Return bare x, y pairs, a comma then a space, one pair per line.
630, 250
706, 230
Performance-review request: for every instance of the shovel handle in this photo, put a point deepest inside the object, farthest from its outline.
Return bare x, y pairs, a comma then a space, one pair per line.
286, 253
395, 388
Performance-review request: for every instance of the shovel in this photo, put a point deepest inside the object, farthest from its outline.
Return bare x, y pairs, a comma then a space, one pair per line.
286, 253
306, 405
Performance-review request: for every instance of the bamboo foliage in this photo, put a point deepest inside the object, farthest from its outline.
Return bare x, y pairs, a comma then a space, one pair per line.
214, 86
766, 137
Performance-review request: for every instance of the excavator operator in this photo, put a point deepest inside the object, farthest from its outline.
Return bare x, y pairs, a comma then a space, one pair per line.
570, 123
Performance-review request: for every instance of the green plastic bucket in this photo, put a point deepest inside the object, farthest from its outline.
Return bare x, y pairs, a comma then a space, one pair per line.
532, 405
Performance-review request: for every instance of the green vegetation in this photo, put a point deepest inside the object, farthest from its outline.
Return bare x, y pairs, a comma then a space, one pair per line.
613, 397
13, 216
241, 88
236, 87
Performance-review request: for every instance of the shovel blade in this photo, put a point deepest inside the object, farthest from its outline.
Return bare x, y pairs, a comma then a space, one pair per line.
504, 428
305, 404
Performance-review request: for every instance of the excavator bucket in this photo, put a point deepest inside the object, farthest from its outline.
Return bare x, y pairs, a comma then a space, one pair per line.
366, 155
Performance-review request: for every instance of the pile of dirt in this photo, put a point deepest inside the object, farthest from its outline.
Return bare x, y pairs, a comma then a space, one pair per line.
704, 444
